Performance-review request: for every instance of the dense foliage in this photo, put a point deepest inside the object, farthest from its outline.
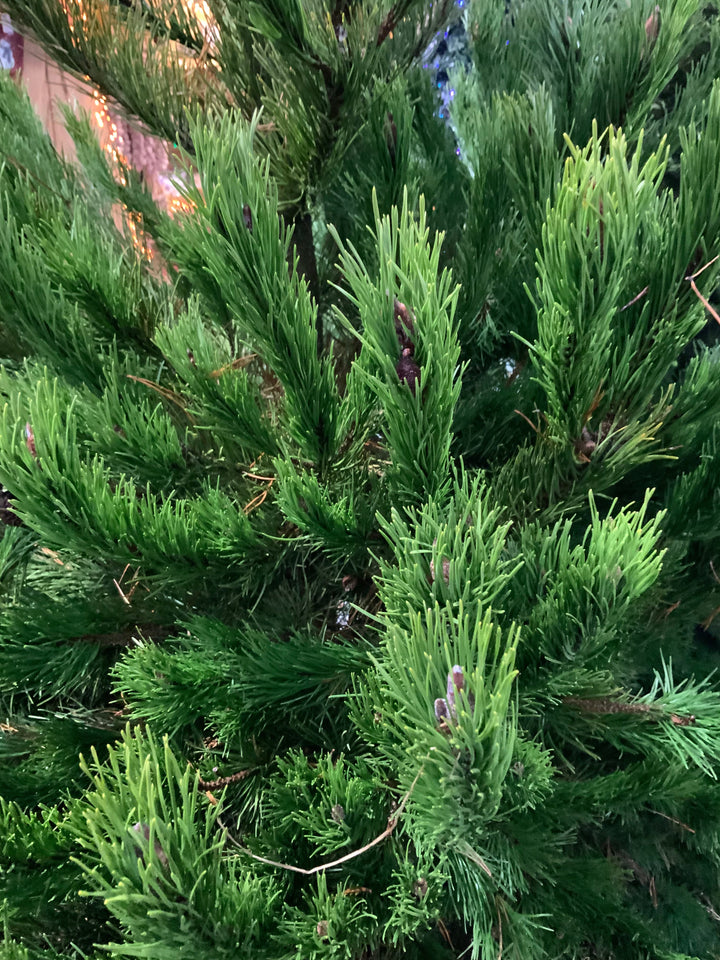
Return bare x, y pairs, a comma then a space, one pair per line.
357, 573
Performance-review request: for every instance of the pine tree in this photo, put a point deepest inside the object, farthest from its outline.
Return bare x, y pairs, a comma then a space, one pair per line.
358, 580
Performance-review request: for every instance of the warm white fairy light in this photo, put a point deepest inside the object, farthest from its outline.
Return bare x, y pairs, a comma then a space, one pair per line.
202, 14
129, 147
107, 127
70, 7
201, 11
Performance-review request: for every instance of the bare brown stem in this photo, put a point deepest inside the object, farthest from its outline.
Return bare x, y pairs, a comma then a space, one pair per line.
392, 823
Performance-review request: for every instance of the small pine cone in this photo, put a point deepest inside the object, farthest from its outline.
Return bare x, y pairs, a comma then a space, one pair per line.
407, 370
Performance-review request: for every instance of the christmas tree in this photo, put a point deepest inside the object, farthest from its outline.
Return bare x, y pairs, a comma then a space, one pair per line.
358, 580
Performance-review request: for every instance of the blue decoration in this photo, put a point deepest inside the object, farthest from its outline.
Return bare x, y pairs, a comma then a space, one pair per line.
446, 54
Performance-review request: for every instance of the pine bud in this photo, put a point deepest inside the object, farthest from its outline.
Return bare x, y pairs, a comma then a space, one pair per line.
420, 888
144, 829
585, 445
456, 683
652, 25
407, 370
322, 929
337, 813
682, 721
441, 709
445, 569
30, 440
247, 217
391, 138
403, 323
191, 357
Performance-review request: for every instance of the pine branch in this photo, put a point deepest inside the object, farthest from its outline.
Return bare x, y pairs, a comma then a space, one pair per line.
387, 832
123, 51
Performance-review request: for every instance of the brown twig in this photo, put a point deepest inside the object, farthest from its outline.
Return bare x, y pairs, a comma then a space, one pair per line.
500, 932
444, 931
528, 420
605, 705
256, 476
392, 823
164, 392
707, 623
224, 781
259, 500
705, 302
387, 27
635, 299
122, 593
475, 857
53, 555
698, 272
594, 403
652, 890
712, 912
671, 609
237, 364
127, 598
672, 820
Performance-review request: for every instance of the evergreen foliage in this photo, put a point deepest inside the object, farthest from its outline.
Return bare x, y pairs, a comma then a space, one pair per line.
357, 573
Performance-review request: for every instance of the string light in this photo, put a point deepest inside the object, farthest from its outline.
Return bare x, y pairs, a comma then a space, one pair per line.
200, 10
145, 153
71, 7
110, 131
